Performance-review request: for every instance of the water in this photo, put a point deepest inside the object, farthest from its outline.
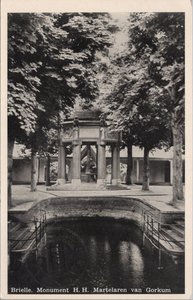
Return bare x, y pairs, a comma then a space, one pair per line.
96, 256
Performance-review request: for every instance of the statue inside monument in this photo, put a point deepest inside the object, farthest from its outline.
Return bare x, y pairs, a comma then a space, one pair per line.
88, 165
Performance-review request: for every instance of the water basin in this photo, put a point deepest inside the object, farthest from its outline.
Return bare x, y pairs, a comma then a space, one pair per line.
98, 256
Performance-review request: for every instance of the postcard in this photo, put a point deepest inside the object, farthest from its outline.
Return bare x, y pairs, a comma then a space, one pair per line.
96, 149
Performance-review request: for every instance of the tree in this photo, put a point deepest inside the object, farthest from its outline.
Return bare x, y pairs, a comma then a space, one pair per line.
75, 65
151, 69
158, 39
45, 77
135, 110
24, 33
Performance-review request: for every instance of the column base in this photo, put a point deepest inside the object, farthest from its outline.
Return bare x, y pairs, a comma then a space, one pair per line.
101, 182
60, 181
76, 182
115, 182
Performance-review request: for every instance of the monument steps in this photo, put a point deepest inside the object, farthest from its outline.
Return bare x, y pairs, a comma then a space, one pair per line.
72, 187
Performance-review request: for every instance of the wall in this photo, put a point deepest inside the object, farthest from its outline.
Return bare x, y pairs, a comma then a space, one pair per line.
21, 171
108, 206
159, 170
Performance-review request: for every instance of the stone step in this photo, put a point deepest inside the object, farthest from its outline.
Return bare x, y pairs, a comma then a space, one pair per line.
17, 232
179, 224
16, 239
178, 230
172, 247
173, 238
25, 242
177, 227
14, 227
81, 187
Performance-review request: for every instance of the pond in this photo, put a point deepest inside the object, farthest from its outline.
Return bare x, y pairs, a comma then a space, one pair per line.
95, 256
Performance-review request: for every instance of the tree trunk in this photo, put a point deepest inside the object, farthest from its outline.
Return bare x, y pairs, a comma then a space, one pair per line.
10, 168
38, 175
177, 163
145, 186
47, 169
177, 150
129, 164
33, 171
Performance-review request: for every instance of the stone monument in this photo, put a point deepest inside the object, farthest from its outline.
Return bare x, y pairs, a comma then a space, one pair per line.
87, 129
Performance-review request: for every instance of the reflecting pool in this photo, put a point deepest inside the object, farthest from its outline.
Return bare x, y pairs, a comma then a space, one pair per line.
96, 256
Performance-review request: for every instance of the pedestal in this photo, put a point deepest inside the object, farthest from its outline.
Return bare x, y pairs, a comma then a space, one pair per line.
76, 182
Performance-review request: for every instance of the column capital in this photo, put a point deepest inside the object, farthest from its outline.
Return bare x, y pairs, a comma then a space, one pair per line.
101, 143
76, 143
76, 133
117, 144
60, 143
102, 135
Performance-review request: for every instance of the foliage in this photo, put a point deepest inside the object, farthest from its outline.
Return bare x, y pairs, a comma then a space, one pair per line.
158, 39
51, 63
146, 98
144, 76
23, 83
134, 109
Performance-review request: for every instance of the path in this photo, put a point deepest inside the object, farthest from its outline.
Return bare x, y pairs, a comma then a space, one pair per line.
158, 196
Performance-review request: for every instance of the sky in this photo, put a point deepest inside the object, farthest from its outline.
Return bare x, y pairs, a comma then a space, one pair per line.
121, 37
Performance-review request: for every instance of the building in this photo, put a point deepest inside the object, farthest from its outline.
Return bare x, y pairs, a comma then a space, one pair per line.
160, 167
95, 157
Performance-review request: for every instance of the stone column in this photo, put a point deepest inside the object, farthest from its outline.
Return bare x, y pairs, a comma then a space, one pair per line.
101, 167
111, 163
76, 164
115, 165
61, 165
96, 162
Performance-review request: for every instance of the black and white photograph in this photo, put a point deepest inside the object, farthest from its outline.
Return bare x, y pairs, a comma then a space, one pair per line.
97, 168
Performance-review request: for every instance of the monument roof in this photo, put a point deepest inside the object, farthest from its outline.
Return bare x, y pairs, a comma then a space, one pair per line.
87, 114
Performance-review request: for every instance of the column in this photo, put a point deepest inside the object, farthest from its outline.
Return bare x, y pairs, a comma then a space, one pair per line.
101, 178
61, 164
115, 165
112, 146
76, 164
96, 162
137, 170
171, 172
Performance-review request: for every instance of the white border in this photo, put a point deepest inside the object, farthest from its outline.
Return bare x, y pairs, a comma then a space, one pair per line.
97, 6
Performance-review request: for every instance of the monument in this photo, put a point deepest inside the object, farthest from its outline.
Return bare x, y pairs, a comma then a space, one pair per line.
88, 134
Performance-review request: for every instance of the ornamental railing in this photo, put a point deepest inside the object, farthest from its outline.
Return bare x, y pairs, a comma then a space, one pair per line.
156, 233
29, 237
